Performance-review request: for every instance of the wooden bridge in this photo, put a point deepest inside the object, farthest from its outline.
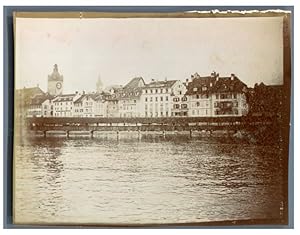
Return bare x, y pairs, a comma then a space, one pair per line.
190, 124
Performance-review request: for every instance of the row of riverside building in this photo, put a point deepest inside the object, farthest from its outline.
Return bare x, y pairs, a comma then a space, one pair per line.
197, 96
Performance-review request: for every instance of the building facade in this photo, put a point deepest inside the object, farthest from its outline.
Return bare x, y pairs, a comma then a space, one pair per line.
85, 106
214, 96
129, 98
63, 105
158, 98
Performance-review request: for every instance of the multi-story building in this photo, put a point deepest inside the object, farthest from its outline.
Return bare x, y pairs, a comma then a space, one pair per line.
40, 106
112, 106
199, 95
24, 101
212, 96
129, 98
101, 104
157, 98
229, 97
64, 105
85, 106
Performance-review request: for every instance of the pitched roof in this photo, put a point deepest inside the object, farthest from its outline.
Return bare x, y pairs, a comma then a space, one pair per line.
202, 85
229, 84
134, 83
211, 84
161, 84
128, 94
64, 98
87, 96
39, 99
26, 94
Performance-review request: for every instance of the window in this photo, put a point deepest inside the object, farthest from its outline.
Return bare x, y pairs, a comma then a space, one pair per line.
217, 96
197, 104
180, 92
156, 91
183, 106
161, 90
234, 95
156, 98
151, 90
195, 89
161, 98
167, 114
184, 98
150, 99
197, 96
146, 99
167, 90
167, 98
146, 91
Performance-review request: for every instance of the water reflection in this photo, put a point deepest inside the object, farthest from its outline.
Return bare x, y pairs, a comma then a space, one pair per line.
150, 179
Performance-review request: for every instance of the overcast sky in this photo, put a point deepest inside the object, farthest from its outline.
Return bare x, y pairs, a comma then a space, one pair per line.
120, 49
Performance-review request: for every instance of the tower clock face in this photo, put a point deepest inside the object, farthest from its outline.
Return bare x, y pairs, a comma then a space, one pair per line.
58, 85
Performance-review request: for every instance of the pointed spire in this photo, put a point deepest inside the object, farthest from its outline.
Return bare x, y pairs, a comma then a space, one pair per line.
99, 85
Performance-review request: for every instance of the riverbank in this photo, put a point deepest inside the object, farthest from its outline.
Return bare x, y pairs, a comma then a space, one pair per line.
258, 136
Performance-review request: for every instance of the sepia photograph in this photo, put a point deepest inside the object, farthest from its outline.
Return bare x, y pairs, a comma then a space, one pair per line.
151, 119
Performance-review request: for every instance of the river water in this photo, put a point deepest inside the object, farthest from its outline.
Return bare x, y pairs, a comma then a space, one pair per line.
145, 180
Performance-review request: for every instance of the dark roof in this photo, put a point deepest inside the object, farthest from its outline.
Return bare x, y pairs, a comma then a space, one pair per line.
203, 85
63, 98
212, 84
229, 84
39, 99
128, 93
134, 83
25, 95
88, 96
131, 90
161, 84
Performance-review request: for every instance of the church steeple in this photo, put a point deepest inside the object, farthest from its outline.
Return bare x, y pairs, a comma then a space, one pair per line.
99, 85
55, 76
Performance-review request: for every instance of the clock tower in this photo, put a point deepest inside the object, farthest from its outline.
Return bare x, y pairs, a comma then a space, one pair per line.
55, 82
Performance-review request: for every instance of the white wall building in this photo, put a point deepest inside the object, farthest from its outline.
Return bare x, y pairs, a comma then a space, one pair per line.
157, 97
63, 105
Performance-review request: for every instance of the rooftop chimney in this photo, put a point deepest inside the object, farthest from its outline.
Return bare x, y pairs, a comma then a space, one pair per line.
232, 76
213, 74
